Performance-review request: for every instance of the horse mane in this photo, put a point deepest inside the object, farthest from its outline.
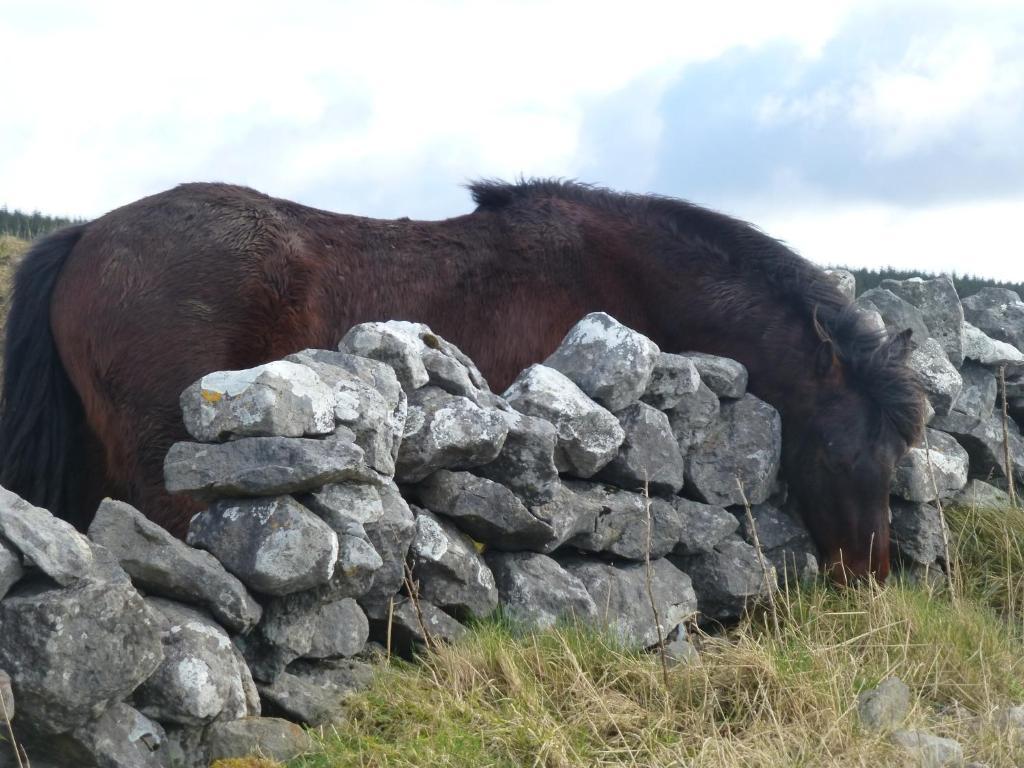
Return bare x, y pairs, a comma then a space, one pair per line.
870, 356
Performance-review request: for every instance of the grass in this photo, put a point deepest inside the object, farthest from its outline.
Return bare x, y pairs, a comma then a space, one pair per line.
10, 249
759, 697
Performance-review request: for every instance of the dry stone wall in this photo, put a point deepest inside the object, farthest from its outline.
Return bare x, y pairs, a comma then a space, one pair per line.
340, 485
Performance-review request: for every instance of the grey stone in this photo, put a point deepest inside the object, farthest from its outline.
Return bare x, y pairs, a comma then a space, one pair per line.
314, 693
726, 378
6, 697
160, 564
844, 280
264, 466
785, 541
980, 495
608, 361
184, 747
916, 530
997, 312
273, 545
367, 399
202, 677
914, 479
10, 568
898, 314
930, 751
535, 591
347, 508
391, 535
885, 707
703, 526
444, 431
268, 737
283, 635
982, 348
487, 511
940, 307
693, 418
745, 444
526, 463
50, 544
984, 443
620, 592
451, 573
281, 398
728, 579
588, 435
673, 378
941, 381
341, 629
407, 625
393, 344
614, 521
121, 737
978, 397
680, 651
72, 652
649, 455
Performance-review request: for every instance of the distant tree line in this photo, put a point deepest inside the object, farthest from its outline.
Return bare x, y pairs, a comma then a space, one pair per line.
29, 226
966, 285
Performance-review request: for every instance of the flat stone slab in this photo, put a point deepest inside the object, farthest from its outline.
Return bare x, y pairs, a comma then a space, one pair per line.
726, 378
280, 398
536, 592
160, 564
264, 466
50, 544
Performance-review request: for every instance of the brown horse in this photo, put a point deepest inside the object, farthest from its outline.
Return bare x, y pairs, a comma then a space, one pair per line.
111, 320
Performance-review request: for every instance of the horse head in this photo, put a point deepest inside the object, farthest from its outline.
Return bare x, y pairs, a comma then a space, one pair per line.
863, 412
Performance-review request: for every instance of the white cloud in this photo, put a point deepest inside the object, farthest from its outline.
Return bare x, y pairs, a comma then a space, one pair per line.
126, 98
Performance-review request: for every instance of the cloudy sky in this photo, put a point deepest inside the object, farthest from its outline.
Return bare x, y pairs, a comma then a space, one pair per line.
865, 133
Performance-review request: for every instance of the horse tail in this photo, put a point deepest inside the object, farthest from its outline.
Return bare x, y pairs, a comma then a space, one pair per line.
41, 416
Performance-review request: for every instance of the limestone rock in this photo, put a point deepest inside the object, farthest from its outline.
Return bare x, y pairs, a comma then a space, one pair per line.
526, 464
673, 378
982, 348
273, 545
202, 677
489, 512
940, 307
930, 751
608, 361
314, 693
535, 591
10, 568
6, 697
726, 378
367, 399
444, 431
72, 652
885, 707
745, 443
997, 312
392, 344
916, 531
693, 417
162, 565
649, 454
914, 480
50, 544
588, 435
703, 526
265, 466
844, 280
452, 574
980, 495
269, 737
408, 625
341, 629
620, 592
281, 398
785, 541
727, 579
941, 381
898, 314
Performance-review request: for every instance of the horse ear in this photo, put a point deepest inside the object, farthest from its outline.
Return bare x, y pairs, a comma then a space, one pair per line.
819, 328
901, 345
825, 360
